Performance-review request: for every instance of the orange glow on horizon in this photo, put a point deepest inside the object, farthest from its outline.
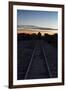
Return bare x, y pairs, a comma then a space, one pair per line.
50, 32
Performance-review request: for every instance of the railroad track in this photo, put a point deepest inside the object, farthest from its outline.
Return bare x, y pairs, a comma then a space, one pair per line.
41, 63
38, 66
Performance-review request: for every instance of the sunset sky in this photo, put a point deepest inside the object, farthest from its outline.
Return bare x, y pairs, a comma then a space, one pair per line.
47, 19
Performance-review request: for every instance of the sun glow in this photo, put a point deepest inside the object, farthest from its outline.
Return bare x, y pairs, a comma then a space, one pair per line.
43, 32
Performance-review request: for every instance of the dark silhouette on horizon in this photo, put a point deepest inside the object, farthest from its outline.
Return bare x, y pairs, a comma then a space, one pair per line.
51, 39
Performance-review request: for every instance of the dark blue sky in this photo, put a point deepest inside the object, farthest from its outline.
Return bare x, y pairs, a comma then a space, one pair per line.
47, 19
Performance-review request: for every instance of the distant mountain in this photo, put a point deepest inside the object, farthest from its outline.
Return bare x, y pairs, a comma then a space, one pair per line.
33, 27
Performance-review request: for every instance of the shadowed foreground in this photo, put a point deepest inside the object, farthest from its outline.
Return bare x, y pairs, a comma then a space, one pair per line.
37, 58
